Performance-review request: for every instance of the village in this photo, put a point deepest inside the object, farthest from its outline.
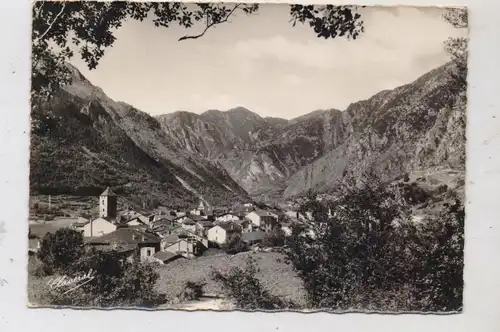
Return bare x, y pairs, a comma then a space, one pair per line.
166, 235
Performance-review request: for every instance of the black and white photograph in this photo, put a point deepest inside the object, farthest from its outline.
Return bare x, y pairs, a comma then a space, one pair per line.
255, 157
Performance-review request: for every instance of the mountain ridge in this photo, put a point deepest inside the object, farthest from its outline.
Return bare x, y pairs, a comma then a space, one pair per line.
237, 154
84, 141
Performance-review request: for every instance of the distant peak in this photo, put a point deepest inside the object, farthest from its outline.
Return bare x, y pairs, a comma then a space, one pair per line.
211, 112
242, 111
177, 113
239, 109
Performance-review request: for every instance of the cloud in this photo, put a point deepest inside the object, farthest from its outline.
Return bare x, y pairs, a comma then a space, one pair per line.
393, 39
309, 53
268, 66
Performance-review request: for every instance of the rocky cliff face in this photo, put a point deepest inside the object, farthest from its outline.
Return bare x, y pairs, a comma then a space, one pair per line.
222, 156
259, 153
83, 141
417, 126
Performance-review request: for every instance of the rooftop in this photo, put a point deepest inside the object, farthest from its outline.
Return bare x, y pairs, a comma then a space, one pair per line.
189, 221
229, 226
263, 213
126, 235
206, 223
253, 236
166, 255
39, 230
108, 192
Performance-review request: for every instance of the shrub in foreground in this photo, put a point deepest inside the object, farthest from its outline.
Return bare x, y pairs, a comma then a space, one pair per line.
243, 287
60, 250
367, 254
115, 281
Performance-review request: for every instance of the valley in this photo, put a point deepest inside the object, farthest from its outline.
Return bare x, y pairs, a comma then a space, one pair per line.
234, 155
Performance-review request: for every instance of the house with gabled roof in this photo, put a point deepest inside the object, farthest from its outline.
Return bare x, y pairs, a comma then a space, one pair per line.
252, 238
221, 232
189, 225
135, 242
242, 210
186, 247
246, 225
203, 226
165, 257
164, 218
265, 220
227, 216
98, 227
181, 218
196, 217
201, 209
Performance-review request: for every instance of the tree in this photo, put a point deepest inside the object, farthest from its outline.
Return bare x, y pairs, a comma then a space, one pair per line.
193, 290
116, 282
368, 254
60, 250
234, 244
275, 238
439, 259
458, 50
456, 47
245, 289
88, 28
339, 258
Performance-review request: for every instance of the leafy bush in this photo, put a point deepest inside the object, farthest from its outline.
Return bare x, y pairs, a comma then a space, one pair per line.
368, 255
245, 289
234, 244
276, 238
413, 193
116, 282
38, 268
193, 290
438, 246
442, 189
60, 250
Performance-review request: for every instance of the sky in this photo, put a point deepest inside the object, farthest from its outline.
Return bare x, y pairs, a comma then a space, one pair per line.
264, 64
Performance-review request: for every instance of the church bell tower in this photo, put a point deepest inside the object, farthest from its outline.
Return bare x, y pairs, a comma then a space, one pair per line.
108, 204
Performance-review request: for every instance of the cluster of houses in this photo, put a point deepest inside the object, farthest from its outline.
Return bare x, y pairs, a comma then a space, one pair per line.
167, 235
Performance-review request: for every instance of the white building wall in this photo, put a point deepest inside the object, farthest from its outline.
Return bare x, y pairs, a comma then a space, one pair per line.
227, 217
147, 253
255, 218
217, 234
99, 227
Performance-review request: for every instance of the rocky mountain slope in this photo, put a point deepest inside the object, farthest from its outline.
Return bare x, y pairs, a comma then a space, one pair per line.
259, 153
83, 141
413, 127
89, 141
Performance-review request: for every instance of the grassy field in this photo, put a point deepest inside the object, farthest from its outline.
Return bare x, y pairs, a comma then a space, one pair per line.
37, 286
276, 276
